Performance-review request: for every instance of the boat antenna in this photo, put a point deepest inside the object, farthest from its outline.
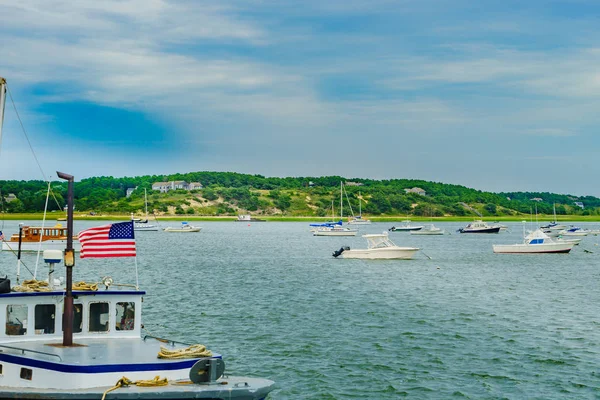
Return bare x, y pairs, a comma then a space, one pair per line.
69, 264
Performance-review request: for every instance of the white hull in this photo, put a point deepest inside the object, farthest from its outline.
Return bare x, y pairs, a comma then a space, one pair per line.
387, 253
360, 222
195, 229
533, 248
143, 227
428, 232
348, 232
35, 246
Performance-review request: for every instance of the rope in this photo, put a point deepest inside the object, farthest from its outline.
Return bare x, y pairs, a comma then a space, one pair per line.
93, 287
194, 351
32, 285
124, 381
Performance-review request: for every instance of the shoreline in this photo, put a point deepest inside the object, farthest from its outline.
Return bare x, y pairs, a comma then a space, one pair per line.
398, 218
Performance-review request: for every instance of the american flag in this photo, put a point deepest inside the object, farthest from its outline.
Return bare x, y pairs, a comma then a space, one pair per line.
113, 240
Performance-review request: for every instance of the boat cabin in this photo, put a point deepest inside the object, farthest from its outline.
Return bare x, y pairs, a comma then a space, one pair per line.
97, 314
34, 233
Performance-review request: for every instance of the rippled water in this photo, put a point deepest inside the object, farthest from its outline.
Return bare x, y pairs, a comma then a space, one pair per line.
466, 323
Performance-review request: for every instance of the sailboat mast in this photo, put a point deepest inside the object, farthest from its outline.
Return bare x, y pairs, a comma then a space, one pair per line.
146, 202
2, 103
359, 203
341, 201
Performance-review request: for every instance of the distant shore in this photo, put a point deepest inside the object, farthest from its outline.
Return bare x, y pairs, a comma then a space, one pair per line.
398, 218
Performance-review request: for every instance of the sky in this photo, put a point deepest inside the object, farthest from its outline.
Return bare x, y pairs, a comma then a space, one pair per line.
493, 95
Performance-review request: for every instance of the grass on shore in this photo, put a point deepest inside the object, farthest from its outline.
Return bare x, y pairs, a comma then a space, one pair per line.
398, 218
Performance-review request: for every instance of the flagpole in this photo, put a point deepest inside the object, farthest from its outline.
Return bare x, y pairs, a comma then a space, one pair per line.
137, 283
69, 264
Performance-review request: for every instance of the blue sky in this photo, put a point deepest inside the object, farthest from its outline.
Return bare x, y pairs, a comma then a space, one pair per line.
494, 95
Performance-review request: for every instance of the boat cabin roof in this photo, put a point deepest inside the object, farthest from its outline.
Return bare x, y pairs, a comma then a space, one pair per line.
35, 316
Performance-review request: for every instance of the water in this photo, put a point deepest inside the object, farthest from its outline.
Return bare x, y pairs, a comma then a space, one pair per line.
467, 323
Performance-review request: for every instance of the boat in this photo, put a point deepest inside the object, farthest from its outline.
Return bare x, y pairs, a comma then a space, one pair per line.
379, 247
185, 227
573, 231
479, 226
405, 227
248, 218
140, 225
335, 229
535, 242
553, 228
76, 342
428, 230
36, 238
358, 220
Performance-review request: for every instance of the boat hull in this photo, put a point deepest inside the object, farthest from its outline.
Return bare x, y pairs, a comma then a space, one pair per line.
533, 248
428, 232
388, 253
197, 229
405, 228
335, 233
494, 229
35, 246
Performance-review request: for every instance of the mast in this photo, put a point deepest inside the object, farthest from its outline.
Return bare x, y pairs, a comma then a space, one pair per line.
341, 201
359, 208
69, 264
146, 202
2, 102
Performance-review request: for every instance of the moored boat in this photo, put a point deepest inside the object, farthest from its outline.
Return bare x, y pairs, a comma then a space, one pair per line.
34, 238
429, 230
405, 227
480, 226
185, 227
379, 247
535, 242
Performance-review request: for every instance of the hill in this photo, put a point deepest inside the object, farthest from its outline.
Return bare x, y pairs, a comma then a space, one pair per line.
229, 193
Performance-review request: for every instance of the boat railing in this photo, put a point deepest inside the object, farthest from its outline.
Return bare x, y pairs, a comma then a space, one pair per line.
169, 341
30, 351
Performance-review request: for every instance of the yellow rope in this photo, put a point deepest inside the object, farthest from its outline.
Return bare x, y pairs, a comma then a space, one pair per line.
194, 351
124, 381
85, 286
32, 285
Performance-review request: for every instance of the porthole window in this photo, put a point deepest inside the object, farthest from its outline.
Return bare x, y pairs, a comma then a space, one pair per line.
16, 319
26, 373
99, 317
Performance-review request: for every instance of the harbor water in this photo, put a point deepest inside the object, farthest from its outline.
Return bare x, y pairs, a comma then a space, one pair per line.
458, 321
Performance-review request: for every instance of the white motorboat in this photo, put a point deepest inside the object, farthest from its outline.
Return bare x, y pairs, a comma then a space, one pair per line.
535, 242
573, 231
405, 227
248, 218
334, 230
429, 230
185, 227
480, 226
379, 247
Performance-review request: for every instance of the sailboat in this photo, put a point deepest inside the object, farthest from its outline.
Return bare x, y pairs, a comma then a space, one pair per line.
141, 226
359, 220
553, 228
336, 230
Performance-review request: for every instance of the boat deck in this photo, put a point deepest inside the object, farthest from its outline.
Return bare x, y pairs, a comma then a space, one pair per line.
95, 355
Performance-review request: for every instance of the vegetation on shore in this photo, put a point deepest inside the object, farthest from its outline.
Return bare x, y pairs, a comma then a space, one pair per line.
227, 194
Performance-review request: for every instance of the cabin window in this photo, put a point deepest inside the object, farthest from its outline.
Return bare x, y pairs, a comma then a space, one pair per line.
77, 318
125, 320
1, 370
16, 319
98, 317
26, 373
44, 318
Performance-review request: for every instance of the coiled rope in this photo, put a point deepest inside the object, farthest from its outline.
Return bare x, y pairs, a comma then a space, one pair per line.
32, 285
85, 286
193, 351
124, 381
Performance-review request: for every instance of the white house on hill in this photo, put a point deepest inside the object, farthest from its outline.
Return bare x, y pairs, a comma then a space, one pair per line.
416, 190
172, 185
